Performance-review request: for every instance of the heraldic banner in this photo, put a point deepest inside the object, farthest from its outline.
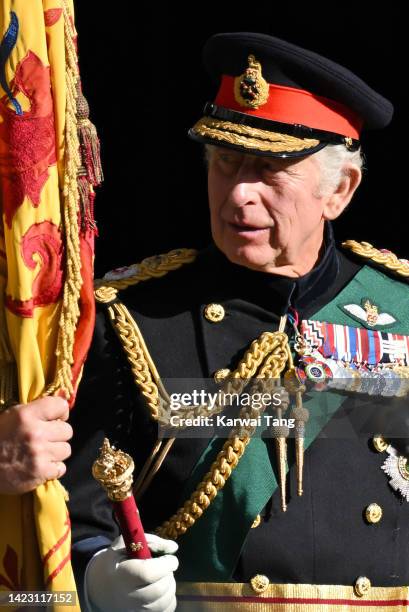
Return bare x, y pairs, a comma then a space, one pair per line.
49, 164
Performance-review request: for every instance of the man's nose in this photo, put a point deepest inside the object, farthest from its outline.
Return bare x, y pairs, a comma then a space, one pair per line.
245, 192
247, 186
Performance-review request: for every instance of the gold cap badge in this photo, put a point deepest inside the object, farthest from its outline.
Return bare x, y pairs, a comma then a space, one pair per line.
250, 88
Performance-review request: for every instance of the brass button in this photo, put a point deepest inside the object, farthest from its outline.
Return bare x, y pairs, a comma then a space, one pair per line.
214, 313
259, 583
136, 546
379, 443
362, 586
220, 375
373, 513
256, 522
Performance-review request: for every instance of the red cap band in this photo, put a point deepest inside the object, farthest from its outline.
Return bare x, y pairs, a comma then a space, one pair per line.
296, 106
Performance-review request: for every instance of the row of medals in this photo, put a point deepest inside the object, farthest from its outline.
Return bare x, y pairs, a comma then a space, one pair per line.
385, 379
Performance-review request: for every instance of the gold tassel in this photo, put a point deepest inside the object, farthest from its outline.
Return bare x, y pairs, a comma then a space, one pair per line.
281, 450
280, 434
86, 199
89, 141
301, 415
90, 172
299, 453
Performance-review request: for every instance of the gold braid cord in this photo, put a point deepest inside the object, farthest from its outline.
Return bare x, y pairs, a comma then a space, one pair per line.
266, 358
142, 365
249, 137
385, 258
151, 267
147, 378
73, 281
233, 449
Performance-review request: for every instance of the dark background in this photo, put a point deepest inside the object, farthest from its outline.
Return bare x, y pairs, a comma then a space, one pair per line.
142, 74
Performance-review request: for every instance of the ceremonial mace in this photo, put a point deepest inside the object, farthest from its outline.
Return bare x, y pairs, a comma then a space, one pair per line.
113, 470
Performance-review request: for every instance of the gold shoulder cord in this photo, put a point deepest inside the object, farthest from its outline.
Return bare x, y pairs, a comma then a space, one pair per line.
151, 267
385, 258
266, 358
142, 365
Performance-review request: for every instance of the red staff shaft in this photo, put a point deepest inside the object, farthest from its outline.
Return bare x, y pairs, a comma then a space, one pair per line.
114, 471
131, 527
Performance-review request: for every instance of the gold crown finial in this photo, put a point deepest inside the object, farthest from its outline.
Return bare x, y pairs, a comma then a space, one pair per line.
113, 469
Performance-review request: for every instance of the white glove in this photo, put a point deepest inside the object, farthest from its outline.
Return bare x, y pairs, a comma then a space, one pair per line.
114, 583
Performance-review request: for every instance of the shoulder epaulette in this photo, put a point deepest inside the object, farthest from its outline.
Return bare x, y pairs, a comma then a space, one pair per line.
382, 257
106, 288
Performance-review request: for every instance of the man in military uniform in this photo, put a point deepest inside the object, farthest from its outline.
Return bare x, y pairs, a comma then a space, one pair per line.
271, 297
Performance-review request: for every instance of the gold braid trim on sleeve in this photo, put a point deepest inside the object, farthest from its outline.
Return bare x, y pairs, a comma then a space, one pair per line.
383, 257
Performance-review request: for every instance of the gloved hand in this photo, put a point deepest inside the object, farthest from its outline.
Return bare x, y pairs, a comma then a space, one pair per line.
114, 583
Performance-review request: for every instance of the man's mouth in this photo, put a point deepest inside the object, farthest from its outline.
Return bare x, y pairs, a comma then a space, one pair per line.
244, 228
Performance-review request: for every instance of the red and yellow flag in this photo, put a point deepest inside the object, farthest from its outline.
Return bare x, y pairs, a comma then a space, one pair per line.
48, 167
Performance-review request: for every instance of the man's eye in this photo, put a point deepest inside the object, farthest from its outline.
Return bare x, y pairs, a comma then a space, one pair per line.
229, 159
271, 167
273, 170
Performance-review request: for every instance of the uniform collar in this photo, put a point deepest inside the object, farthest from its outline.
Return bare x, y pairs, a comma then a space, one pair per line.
272, 291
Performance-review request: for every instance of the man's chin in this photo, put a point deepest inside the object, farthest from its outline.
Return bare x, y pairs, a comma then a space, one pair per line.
255, 258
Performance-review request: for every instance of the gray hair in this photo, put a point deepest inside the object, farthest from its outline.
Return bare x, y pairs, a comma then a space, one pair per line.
332, 160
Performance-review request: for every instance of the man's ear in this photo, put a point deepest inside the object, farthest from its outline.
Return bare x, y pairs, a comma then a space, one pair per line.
341, 197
